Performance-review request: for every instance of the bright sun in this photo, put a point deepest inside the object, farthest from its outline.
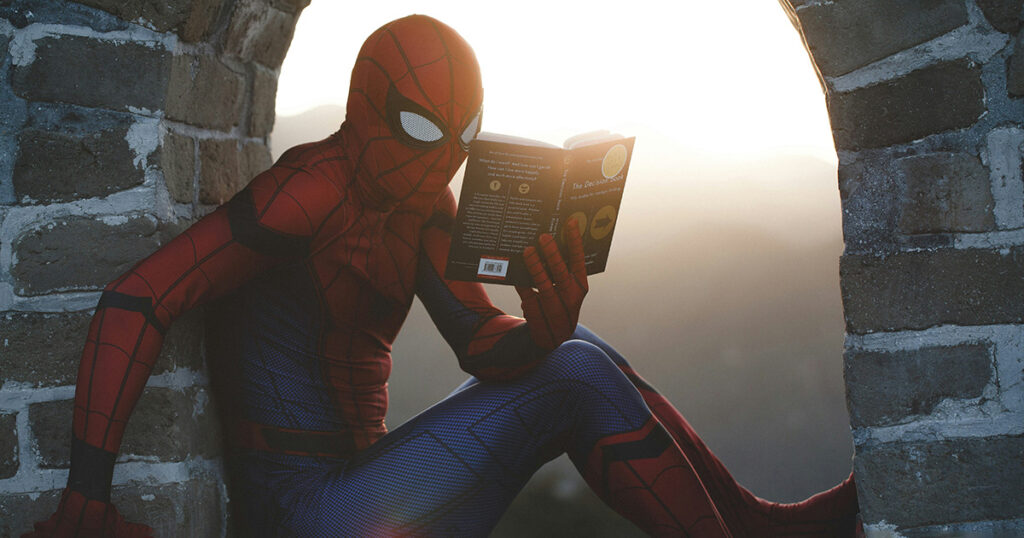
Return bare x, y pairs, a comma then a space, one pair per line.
716, 79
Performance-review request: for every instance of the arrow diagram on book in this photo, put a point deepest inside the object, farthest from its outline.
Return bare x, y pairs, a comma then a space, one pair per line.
603, 222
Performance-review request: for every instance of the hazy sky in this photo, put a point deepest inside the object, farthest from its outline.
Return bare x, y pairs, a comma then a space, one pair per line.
716, 78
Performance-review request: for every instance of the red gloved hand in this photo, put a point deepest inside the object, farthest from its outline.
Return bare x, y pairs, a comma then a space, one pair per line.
84, 518
553, 308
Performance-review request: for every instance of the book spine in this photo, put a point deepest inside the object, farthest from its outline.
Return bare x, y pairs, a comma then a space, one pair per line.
556, 216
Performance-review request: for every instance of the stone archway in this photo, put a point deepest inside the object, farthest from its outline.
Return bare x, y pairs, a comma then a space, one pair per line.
924, 101
123, 122
116, 134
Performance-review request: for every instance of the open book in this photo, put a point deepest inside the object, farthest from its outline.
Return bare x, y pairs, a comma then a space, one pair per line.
515, 189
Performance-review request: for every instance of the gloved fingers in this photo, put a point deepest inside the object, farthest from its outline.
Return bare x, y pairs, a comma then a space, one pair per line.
577, 260
538, 274
526, 293
559, 272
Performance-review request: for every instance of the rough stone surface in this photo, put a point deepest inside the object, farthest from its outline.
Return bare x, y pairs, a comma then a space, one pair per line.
259, 32
291, 6
916, 290
163, 426
179, 165
52, 258
255, 159
264, 93
843, 36
930, 100
912, 484
8, 445
94, 73
22, 13
194, 509
870, 190
160, 15
885, 388
219, 174
1003, 15
59, 166
202, 18
1012, 528
946, 192
204, 92
20, 511
1015, 68
43, 349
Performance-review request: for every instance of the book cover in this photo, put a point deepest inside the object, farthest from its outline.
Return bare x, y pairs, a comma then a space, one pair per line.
516, 189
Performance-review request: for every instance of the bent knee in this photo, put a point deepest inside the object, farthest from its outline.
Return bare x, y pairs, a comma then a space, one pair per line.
576, 358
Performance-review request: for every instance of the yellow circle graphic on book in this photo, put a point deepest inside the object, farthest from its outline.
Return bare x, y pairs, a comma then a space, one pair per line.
495, 185
581, 223
604, 221
524, 188
613, 161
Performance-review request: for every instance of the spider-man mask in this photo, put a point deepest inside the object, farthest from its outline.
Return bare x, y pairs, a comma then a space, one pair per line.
413, 106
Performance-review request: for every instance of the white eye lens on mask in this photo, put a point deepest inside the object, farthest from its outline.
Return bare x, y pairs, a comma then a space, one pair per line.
419, 128
470, 132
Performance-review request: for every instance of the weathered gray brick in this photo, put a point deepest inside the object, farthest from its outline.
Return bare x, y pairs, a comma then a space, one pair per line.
194, 508
202, 19
946, 192
843, 36
52, 258
62, 166
930, 100
1004, 15
8, 445
204, 92
219, 174
95, 73
1015, 68
179, 166
885, 388
916, 484
21, 510
161, 15
255, 159
916, 290
259, 32
264, 93
291, 6
21, 13
164, 425
43, 349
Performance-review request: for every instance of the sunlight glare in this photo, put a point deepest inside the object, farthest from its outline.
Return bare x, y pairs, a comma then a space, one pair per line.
713, 79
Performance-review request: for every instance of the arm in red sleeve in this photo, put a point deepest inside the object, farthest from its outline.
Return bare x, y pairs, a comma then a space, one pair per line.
489, 344
271, 221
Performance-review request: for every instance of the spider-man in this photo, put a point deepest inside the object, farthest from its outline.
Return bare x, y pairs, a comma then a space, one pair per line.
316, 263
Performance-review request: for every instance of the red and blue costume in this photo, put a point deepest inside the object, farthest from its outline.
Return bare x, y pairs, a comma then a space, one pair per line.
314, 266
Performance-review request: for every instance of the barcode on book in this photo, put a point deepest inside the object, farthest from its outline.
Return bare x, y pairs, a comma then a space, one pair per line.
492, 267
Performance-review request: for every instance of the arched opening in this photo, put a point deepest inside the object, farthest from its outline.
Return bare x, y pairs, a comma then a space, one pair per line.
730, 238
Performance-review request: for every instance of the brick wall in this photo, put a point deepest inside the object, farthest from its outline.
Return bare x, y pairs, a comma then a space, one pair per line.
924, 98
122, 122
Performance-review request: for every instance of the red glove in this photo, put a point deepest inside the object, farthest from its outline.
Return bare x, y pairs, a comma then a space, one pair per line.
85, 518
553, 308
